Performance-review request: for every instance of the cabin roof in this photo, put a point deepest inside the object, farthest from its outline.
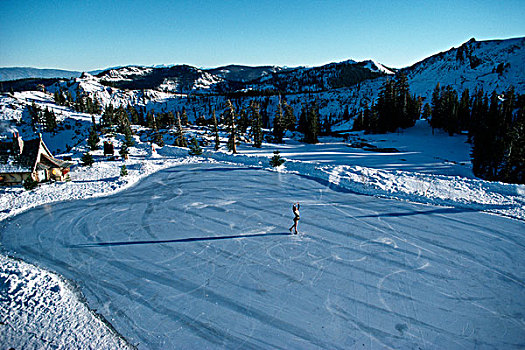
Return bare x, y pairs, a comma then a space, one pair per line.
29, 159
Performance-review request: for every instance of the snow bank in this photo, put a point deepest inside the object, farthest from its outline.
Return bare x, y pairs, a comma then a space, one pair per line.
102, 179
53, 315
455, 191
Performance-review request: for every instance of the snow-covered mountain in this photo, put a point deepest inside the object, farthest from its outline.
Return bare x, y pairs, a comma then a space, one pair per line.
337, 87
179, 79
315, 79
490, 65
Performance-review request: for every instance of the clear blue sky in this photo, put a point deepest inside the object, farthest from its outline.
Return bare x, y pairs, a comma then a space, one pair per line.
93, 34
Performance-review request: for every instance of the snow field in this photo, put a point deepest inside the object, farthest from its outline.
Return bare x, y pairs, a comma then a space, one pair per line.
41, 310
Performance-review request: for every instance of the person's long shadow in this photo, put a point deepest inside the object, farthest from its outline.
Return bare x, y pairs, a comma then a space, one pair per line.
421, 212
180, 240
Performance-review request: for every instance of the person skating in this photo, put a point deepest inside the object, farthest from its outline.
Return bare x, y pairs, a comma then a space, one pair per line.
295, 209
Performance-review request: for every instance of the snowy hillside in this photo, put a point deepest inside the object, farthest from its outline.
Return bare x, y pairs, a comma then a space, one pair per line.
377, 67
181, 78
490, 65
315, 79
124, 74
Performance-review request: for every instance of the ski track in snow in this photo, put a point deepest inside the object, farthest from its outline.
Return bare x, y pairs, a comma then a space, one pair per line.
184, 259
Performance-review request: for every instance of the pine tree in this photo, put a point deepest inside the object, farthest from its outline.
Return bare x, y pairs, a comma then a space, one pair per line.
157, 138
79, 103
402, 103
108, 116
464, 111
184, 117
359, 123
151, 121
449, 104
124, 151
56, 97
93, 139
180, 141
244, 122
122, 119
278, 124
514, 162
69, 99
128, 137
289, 117
34, 112
256, 125
370, 120
276, 160
487, 148
96, 107
312, 129
216, 132
87, 159
427, 112
437, 114
232, 141
134, 115
123, 170
303, 123
346, 114
170, 119
476, 113
195, 148
94, 123
50, 120
263, 111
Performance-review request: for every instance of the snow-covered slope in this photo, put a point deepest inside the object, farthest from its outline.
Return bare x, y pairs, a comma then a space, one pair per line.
181, 78
375, 66
124, 74
488, 65
53, 315
315, 79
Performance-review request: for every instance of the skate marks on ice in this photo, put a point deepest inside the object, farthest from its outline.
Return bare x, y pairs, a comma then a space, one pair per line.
185, 259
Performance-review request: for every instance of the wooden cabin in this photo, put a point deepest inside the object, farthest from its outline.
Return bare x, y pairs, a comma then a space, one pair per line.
21, 159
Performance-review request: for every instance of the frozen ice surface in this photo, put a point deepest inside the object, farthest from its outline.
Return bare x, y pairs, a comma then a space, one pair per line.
199, 256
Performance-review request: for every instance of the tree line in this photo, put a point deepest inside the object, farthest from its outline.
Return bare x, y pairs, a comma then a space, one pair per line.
395, 108
40, 117
495, 125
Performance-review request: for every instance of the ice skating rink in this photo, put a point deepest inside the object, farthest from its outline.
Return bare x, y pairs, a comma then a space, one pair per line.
200, 256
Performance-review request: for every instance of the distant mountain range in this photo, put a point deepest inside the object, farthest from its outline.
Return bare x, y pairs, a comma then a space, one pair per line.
16, 73
490, 65
231, 72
